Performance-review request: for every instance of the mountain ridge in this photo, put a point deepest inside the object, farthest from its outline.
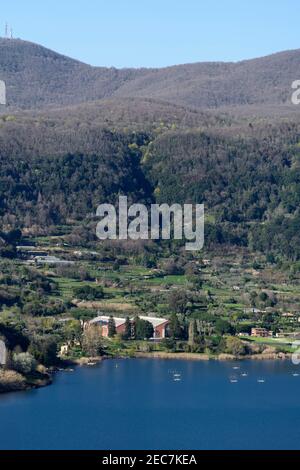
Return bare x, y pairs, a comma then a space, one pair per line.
39, 78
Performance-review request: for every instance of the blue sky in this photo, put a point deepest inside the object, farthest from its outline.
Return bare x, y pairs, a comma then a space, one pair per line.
156, 33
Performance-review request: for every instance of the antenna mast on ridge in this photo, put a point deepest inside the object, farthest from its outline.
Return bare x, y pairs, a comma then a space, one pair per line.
8, 34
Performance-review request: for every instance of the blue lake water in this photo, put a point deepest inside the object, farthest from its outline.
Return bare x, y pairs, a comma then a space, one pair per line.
137, 404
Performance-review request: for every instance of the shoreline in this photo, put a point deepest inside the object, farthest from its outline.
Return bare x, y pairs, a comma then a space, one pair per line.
183, 356
14, 382
206, 357
159, 355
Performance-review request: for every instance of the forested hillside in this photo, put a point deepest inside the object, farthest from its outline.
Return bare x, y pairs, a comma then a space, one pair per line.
247, 176
50, 189
38, 78
152, 139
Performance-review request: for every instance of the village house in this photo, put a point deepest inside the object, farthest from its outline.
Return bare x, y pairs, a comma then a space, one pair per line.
261, 332
64, 350
288, 315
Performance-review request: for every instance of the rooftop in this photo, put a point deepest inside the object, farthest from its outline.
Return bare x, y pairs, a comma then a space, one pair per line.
104, 319
155, 320
51, 260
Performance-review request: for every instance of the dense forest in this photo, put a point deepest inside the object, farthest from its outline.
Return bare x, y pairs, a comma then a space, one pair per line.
49, 190
247, 176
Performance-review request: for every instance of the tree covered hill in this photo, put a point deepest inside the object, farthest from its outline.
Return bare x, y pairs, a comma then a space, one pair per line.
247, 174
78, 128
95, 133
38, 78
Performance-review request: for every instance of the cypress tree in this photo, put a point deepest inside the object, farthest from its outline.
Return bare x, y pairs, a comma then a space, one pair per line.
111, 327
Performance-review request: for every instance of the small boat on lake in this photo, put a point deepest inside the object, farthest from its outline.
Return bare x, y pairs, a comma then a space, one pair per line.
176, 377
233, 379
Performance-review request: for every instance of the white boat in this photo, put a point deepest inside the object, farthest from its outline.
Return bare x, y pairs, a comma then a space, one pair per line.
261, 381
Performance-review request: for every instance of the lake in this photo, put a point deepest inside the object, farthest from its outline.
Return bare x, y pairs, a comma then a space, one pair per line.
159, 404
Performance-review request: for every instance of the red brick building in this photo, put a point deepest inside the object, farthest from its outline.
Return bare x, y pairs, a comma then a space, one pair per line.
159, 325
103, 321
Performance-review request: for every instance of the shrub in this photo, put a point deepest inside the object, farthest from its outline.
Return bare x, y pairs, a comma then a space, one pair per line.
235, 346
44, 349
89, 293
92, 341
24, 363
